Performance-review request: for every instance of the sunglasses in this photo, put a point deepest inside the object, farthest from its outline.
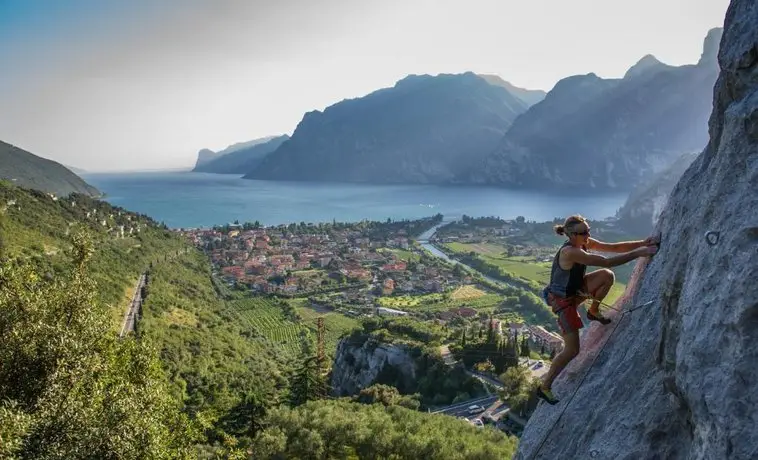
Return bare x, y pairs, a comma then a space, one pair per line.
582, 233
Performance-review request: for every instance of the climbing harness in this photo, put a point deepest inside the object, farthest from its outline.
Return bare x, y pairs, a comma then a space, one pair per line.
581, 382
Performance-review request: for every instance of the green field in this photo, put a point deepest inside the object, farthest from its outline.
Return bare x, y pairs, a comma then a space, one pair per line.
402, 254
336, 324
266, 317
520, 266
439, 302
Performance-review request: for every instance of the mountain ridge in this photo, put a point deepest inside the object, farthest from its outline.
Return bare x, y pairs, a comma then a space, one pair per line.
606, 133
421, 130
26, 169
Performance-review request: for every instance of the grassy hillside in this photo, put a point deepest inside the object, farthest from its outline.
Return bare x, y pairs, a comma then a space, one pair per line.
28, 170
38, 227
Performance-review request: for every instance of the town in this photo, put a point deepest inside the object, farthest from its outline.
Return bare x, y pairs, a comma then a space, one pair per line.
366, 269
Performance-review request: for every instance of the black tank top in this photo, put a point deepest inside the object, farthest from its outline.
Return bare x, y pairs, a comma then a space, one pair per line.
566, 283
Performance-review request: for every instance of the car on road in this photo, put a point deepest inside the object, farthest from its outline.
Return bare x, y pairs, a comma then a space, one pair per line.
475, 409
477, 423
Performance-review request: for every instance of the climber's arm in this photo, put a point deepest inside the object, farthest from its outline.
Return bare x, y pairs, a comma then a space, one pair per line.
578, 255
624, 246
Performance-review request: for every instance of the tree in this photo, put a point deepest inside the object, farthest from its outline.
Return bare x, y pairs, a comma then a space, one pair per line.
517, 387
68, 385
490, 331
2, 235
388, 396
525, 347
307, 384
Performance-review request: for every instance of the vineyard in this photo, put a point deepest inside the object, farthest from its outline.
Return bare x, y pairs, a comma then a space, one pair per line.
267, 318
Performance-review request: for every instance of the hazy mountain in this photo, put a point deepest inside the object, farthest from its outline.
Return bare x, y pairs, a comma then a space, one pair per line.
529, 96
644, 205
607, 134
30, 171
206, 155
242, 159
425, 129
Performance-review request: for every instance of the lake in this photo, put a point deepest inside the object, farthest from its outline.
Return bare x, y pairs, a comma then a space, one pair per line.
184, 199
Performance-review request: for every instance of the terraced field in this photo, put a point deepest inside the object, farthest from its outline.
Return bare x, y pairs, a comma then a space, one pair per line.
267, 318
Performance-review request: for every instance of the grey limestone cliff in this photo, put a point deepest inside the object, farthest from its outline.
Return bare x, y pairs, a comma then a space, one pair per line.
678, 379
357, 366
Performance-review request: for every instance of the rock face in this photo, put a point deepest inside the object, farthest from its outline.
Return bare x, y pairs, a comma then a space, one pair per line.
678, 379
642, 209
357, 366
27, 170
242, 159
425, 129
606, 134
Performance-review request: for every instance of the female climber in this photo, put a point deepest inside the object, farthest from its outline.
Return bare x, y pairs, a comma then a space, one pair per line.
569, 286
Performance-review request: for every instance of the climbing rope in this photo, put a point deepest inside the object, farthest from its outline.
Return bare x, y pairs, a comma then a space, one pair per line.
581, 382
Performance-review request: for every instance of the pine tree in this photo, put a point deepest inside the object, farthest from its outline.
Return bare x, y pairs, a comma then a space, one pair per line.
305, 384
525, 347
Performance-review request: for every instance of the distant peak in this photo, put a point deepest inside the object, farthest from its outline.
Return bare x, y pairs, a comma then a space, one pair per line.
530, 96
711, 46
643, 65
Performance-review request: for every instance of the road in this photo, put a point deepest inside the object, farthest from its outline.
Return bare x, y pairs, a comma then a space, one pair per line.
423, 240
461, 409
130, 317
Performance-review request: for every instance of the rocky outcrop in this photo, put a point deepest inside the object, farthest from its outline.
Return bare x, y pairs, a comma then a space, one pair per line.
425, 129
678, 379
241, 159
643, 207
360, 364
606, 134
204, 156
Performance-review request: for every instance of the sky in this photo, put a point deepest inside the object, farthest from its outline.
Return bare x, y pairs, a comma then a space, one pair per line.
125, 85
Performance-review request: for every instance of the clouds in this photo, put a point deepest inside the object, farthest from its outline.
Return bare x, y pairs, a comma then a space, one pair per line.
124, 85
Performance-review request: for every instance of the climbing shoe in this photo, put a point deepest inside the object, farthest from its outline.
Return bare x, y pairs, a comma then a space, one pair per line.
600, 318
547, 395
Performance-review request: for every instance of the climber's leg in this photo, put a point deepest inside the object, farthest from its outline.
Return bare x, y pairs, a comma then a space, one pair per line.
569, 352
597, 284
